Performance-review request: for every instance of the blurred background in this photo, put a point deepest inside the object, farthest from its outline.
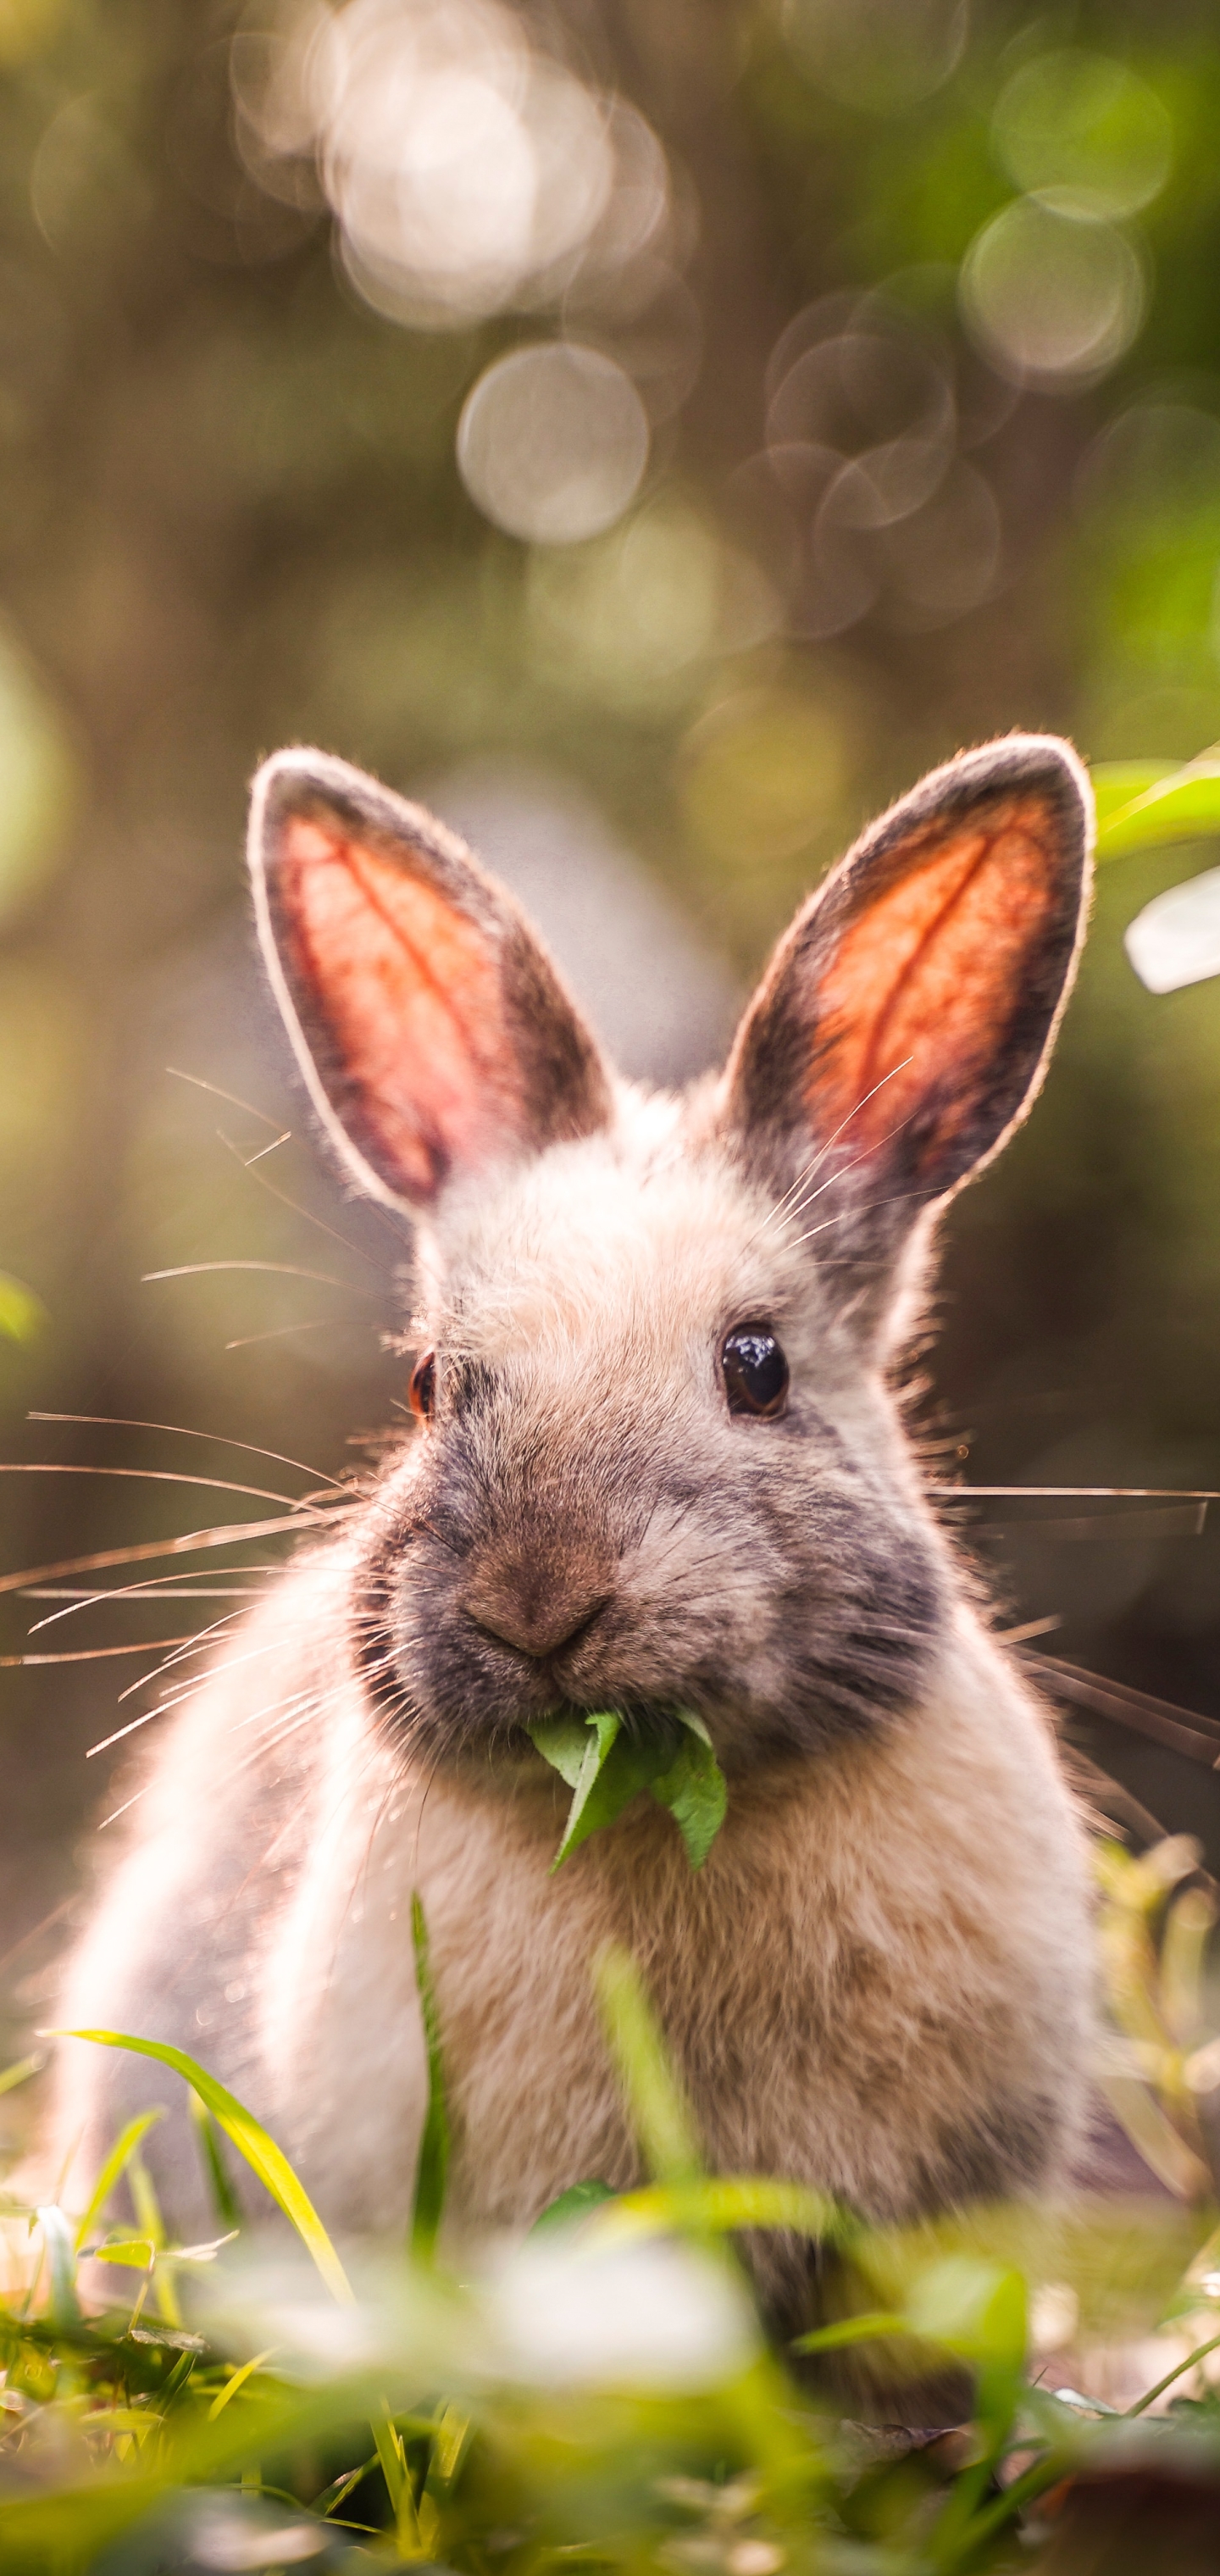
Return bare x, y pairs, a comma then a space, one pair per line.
654, 431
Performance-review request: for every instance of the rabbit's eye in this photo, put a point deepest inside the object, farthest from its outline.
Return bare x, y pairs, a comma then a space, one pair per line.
755, 1370
421, 1394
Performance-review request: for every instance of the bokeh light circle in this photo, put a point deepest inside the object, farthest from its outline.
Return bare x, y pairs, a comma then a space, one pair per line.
1050, 296
553, 442
1079, 121
470, 166
884, 55
1156, 466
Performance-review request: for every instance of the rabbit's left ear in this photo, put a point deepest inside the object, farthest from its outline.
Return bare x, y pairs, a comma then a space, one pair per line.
903, 1026
431, 1027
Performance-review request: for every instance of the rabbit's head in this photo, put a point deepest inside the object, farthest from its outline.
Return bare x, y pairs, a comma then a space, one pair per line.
658, 1464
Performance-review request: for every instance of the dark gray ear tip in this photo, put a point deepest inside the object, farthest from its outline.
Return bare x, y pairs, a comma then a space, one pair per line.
1038, 764
318, 785
1043, 762
298, 780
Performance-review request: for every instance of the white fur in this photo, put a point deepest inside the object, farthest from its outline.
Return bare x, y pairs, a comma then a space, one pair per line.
885, 1938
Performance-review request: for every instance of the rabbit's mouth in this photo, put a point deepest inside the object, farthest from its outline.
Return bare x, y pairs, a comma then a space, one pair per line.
471, 1627
469, 1677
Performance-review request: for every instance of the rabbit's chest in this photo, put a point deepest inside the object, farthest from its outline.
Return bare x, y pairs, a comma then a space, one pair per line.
891, 2007
822, 2023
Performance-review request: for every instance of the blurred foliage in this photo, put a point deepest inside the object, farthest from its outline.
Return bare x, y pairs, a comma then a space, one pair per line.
231, 514
604, 2391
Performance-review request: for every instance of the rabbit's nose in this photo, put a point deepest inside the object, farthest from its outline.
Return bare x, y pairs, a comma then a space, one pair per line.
536, 1617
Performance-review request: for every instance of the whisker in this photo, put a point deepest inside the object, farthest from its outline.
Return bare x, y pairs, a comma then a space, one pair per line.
823, 1150
150, 1476
94, 1654
282, 1830
276, 1736
181, 1431
197, 1083
116, 1812
170, 1701
120, 1732
846, 1215
807, 1198
307, 1695
158, 1588
250, 1655
279, 1332
280, 1269
248, 1161
293, 1205
186, 1646
1079, 1493
434, 1767
143, 1551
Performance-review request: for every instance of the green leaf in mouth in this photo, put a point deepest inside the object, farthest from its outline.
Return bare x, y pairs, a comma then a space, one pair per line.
694, 1790
604, 1768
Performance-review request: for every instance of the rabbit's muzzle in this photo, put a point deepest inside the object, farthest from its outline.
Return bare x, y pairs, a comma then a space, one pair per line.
462, 1640
535, 1610
516, 1563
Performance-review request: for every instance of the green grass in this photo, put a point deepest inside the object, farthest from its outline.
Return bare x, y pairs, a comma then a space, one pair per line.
604, 2394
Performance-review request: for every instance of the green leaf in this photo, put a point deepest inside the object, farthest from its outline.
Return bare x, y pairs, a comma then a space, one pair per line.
606, 1767
22, 1314
573, 2204
980, 2311
563, 1742
136, 2253
614, 1767
433, 2167
1118, 782
251, 2140
694, 1790
1183, 806
977, 2309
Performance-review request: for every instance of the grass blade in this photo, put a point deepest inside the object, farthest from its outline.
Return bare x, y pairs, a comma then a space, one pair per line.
877, 2327
224, 2200
432, 2170
63, 2307
119, 2158
576, 2202
659, 2114
720, 2205
251, 2141
21, 2072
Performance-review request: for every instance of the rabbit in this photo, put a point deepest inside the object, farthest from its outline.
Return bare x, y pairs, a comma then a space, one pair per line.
657, 1463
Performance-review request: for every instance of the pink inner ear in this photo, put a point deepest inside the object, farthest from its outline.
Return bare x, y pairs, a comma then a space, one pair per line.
930, 976
405, 991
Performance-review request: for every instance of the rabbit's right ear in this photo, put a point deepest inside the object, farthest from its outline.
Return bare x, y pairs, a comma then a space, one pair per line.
432, 1029
903, 1026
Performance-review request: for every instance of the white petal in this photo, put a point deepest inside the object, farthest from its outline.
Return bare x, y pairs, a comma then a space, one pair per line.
1175, 940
